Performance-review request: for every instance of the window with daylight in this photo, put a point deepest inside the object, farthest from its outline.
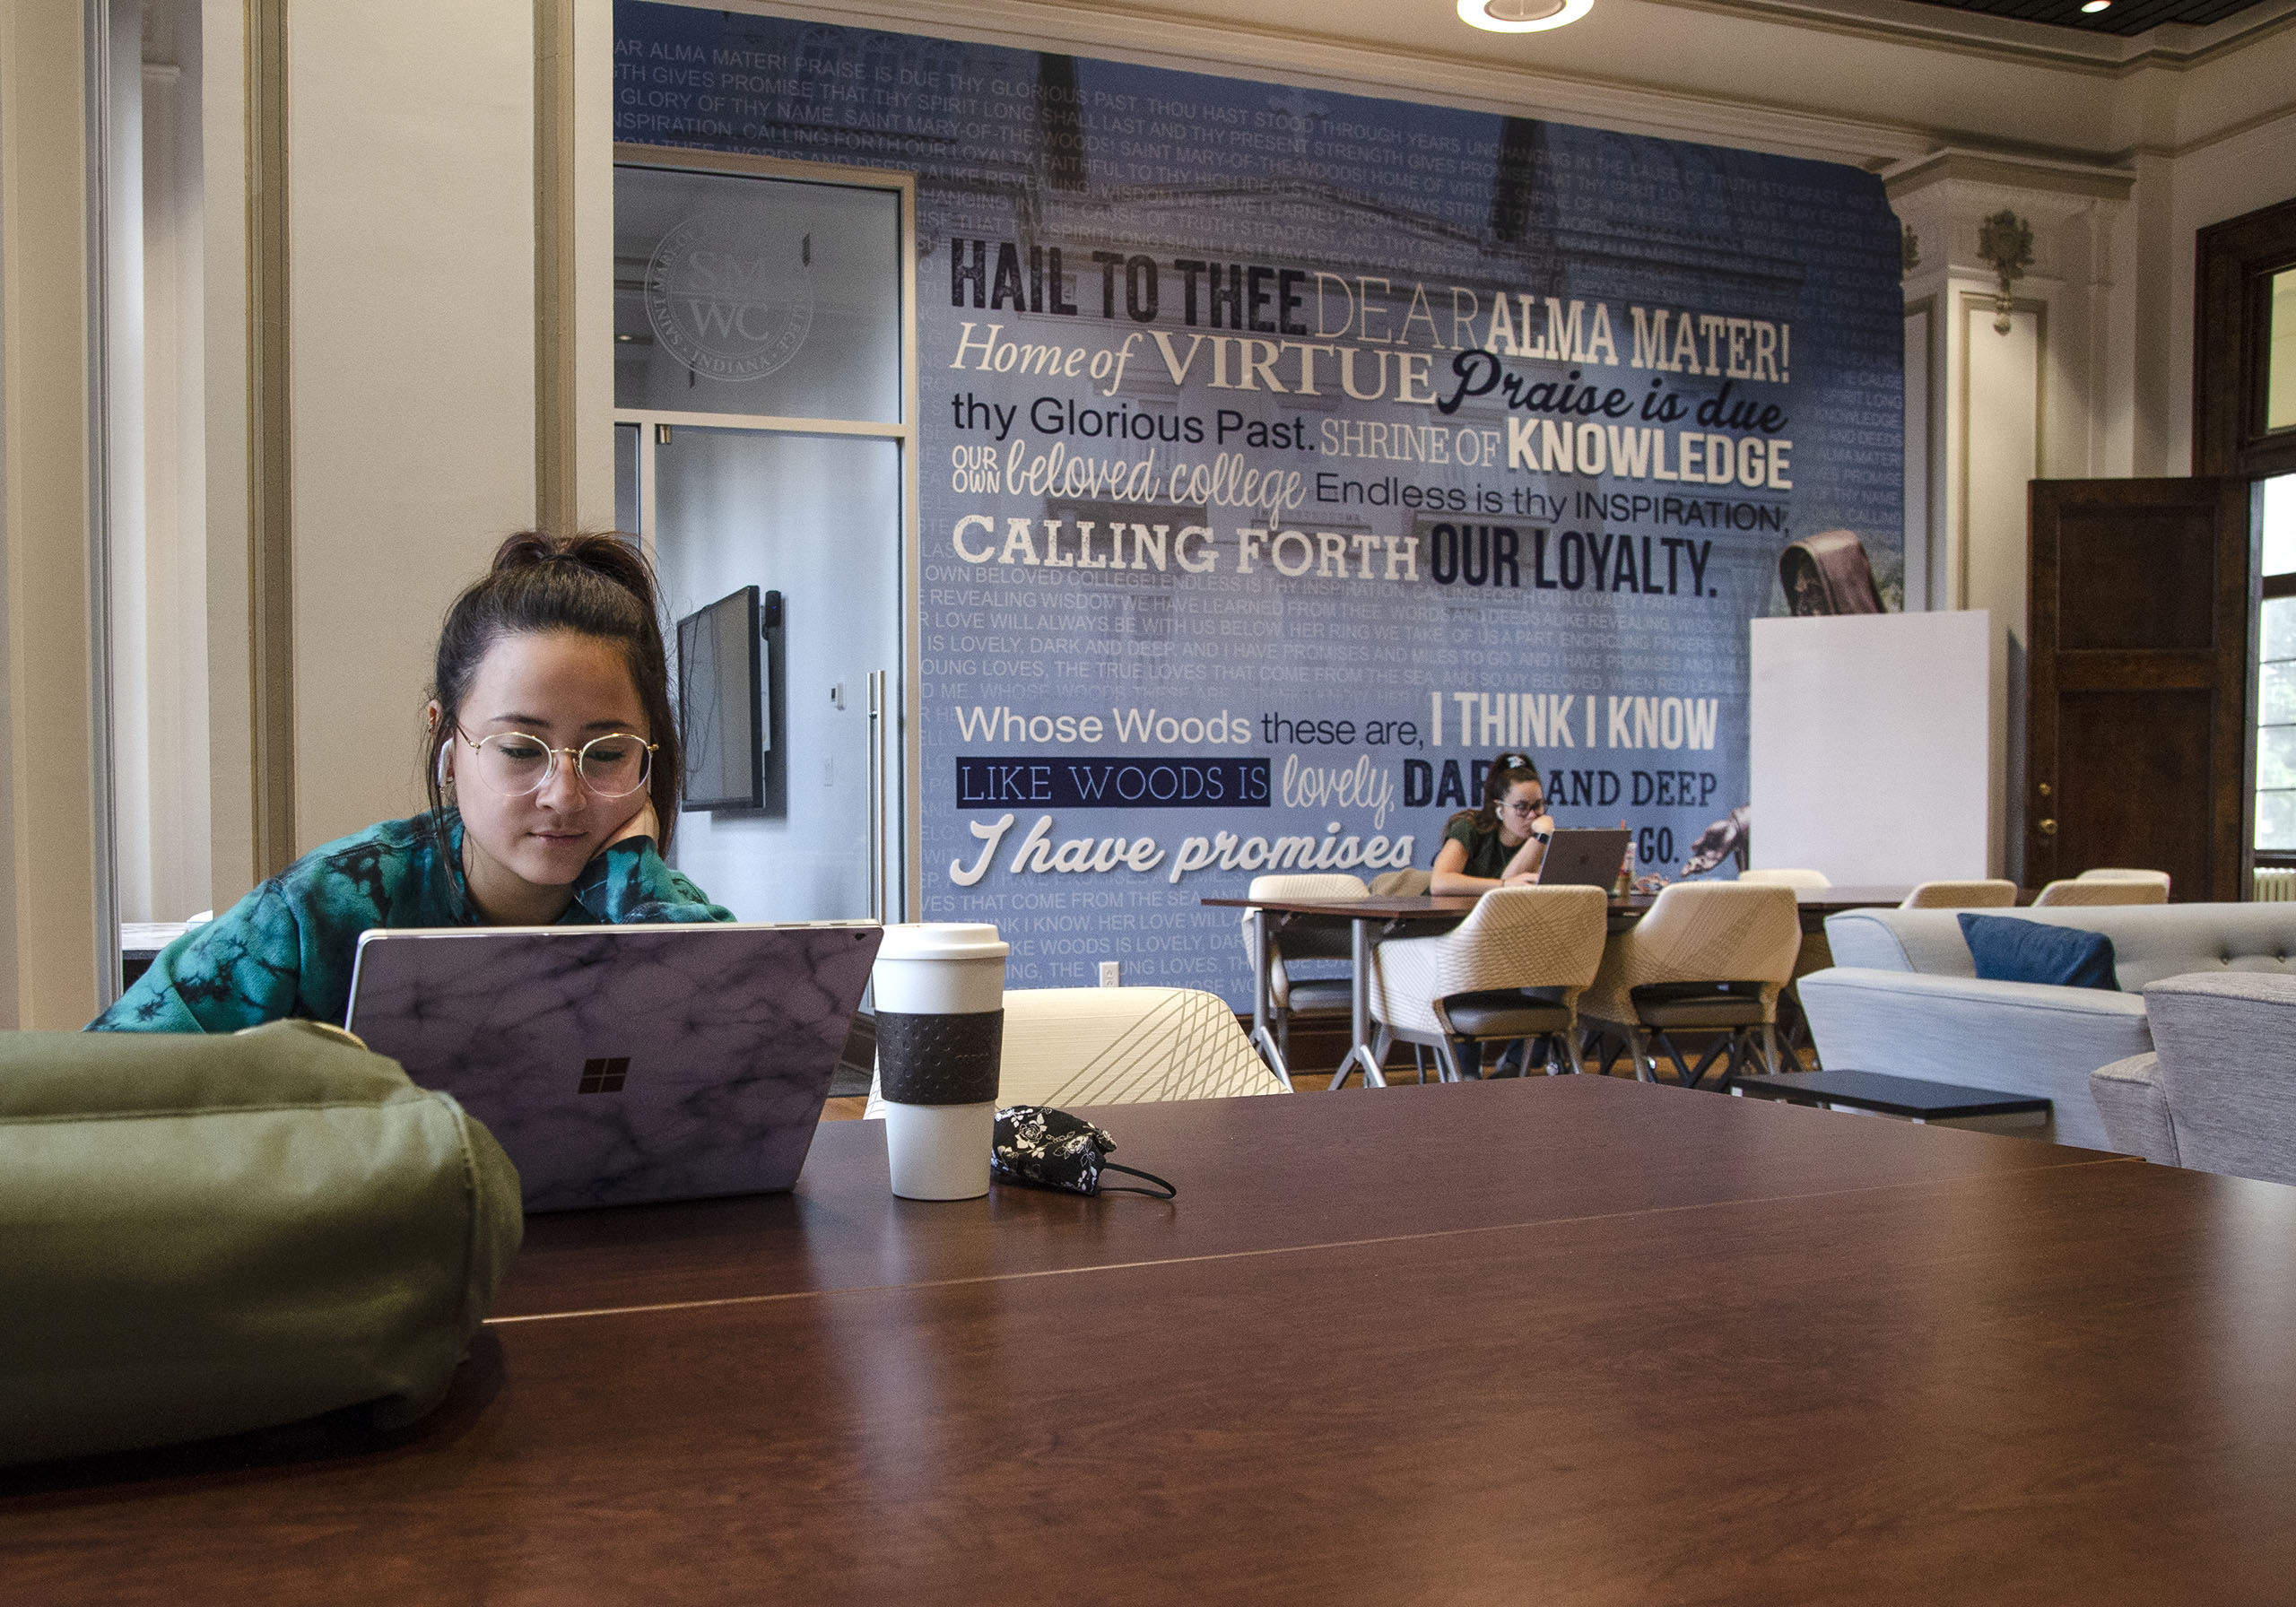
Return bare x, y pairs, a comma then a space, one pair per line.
2276, 678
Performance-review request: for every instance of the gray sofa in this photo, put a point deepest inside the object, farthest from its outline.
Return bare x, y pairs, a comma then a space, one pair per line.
2219, 1092
1903, 997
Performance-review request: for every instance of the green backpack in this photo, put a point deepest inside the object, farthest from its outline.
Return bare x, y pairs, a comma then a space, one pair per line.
204, 1235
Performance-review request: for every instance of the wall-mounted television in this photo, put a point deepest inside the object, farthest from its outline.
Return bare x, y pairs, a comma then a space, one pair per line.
721, 704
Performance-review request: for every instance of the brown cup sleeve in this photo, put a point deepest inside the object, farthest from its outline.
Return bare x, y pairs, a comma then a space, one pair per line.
939, 1059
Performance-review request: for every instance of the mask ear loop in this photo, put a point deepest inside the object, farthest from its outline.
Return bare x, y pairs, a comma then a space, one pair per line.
1163, 1190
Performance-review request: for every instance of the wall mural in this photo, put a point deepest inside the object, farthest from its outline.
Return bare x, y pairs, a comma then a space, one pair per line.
1285, 455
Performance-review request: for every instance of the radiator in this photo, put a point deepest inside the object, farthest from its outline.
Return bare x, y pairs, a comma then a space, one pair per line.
2275, 886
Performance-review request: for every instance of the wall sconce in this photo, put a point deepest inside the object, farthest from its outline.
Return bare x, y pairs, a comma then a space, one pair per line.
2004, 243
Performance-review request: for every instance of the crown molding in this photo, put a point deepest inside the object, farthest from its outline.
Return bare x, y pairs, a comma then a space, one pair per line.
2172, 46
2231, 131
2049, 175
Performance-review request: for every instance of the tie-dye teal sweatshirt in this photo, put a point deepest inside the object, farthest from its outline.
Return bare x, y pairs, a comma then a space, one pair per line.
287, 948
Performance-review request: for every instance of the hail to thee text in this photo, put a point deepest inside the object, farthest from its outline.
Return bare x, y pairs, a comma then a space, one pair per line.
1350, 334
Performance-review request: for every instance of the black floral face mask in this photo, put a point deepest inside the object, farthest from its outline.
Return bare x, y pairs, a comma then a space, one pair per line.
1044, 1148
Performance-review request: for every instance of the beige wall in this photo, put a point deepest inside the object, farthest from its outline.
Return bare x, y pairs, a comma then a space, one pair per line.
48, 884
411, 303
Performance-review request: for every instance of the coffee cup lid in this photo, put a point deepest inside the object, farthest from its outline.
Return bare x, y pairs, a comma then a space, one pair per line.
943, 939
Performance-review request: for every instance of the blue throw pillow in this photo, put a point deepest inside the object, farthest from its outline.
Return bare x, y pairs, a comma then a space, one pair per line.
2007, 949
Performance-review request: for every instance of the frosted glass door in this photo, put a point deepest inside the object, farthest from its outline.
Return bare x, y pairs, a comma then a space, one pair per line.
756, 296
817, 518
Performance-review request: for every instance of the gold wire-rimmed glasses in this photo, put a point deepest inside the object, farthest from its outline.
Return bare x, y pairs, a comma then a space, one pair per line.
514, 763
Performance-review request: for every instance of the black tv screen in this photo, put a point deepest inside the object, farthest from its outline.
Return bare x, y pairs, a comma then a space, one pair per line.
721, 705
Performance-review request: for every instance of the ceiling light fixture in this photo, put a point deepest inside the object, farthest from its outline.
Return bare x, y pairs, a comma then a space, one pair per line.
2097, 6
1521, 16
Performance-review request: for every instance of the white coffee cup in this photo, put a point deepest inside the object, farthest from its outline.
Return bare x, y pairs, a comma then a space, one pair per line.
940, 1000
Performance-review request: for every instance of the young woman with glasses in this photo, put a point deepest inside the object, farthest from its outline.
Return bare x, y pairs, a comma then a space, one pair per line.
552, 766
1503, 843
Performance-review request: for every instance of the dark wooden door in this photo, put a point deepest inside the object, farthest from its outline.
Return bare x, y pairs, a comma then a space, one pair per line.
2137, 633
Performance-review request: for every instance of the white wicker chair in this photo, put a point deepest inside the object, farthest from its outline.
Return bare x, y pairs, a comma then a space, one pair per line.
2086, 890
1994, 894
1710, 956
1323, 998
2112, 873
1467, 985
1812, 880
1120, 1046
1815, 956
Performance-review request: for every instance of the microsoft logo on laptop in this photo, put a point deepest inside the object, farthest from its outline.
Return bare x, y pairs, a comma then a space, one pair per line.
603, 1076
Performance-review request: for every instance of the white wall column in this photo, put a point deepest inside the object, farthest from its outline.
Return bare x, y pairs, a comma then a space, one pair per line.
50, 944
2008, 407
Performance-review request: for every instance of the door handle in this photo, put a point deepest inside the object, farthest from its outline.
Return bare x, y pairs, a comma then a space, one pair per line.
880, 889
876, 812
2046, 828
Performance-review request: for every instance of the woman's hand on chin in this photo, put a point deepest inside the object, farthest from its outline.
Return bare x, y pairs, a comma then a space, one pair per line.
644, 822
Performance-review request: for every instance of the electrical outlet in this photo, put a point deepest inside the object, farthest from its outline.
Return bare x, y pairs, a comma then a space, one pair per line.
1109, 973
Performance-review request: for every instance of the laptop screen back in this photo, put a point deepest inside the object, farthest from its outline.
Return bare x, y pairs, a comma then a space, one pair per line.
1580, 858
622, 1064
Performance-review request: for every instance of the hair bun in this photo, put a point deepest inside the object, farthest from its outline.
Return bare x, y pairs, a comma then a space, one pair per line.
610, 555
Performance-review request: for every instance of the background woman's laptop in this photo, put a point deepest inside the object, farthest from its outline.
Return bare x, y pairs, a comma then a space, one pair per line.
1581, 858
622, 1064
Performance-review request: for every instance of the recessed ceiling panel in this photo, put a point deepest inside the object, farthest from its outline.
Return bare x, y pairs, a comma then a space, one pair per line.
2121, 17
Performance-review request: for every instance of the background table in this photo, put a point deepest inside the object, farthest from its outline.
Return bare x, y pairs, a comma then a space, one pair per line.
1574, 1340
1426, 910
1914, 1098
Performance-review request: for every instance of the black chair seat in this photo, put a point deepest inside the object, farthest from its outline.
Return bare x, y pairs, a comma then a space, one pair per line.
1504, 1012
1668, 1006
1717, 1013
1319, 996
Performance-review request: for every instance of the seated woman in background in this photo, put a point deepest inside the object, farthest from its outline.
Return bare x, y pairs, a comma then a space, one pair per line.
1503, 843
552, 733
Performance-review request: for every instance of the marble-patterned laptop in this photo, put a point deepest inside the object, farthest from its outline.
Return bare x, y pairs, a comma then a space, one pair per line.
617, 1065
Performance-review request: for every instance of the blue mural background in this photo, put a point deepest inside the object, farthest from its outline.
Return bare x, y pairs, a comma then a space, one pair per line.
1286, 454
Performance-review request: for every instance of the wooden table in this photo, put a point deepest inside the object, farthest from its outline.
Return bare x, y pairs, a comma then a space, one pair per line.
1603, 1342
1391, 913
